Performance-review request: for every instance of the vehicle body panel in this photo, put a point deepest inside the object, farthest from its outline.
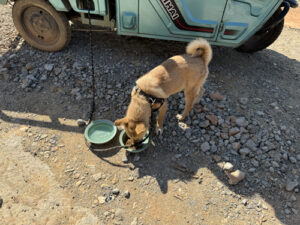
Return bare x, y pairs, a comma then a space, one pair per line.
222, 22
247, 15
59, 5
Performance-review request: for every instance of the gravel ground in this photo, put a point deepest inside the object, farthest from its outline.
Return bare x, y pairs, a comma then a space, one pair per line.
248, 122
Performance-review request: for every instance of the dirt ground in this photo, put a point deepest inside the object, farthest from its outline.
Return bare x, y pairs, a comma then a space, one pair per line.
293, 18
49, 176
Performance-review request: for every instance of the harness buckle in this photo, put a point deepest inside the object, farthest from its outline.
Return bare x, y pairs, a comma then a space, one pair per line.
152, 100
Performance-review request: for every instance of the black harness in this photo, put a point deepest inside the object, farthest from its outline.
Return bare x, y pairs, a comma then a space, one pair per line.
151, 99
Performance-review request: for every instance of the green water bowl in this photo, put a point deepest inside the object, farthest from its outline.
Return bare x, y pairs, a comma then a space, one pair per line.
100, 131
123, 138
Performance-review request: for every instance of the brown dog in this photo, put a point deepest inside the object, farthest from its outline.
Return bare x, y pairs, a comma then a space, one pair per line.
186, 72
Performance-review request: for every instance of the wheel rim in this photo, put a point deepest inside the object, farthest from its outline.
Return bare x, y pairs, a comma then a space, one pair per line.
40, 26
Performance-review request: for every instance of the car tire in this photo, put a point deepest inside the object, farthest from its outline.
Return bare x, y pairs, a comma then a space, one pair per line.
261, 41
41, 25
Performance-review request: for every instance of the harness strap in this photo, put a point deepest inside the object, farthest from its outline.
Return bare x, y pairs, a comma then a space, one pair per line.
150, 98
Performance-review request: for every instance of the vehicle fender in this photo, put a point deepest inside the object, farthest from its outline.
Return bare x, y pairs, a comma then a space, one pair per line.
60, 5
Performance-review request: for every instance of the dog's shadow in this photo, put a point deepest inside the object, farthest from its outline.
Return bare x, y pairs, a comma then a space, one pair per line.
162, 165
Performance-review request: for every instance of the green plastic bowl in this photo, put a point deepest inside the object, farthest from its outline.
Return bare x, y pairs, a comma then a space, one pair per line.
123, 138
100, 131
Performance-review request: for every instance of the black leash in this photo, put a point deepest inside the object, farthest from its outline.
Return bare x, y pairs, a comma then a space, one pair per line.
93, 86
93, 105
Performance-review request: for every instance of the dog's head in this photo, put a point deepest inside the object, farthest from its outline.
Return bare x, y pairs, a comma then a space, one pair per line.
134, 130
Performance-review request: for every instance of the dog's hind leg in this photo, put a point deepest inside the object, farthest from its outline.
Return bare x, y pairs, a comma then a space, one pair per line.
160, 118
199, 95
190, 96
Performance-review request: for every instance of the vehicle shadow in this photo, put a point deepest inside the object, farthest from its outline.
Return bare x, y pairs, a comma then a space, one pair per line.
141, 55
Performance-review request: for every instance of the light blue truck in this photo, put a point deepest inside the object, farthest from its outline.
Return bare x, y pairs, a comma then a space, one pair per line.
247, 25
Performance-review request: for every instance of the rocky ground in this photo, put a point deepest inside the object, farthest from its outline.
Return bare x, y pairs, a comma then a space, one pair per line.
247, 122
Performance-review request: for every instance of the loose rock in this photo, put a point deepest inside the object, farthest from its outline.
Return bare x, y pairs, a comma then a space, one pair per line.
213, 119
78, 183
204, 124
81, 123
216, 96
235, 177
116, 191
290, 185
97, 176
135, 221
101, 199
243, 101
275, 164
234, 131
244, 151
236, 146
241, 122
205, 147
228, 167
127, 194
245, 201
29, 66
48, 67
292, 159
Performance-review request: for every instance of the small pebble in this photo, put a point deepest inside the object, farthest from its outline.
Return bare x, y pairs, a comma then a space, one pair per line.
228, 167
244, 151
116, 191
287, 211
136, 158
295, 211
101, 199
241, 122
81, 123
236, 177
216, 96
293, 159
293, 198
78, 183
275, 164
243, 101
290, 185
205, 147
135, 221
252, 170
127, 194
97, 176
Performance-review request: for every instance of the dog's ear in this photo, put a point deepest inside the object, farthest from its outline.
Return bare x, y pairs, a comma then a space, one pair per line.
140, 128
121, 122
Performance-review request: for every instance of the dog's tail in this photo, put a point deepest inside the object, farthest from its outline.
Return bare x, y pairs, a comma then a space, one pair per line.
201, 48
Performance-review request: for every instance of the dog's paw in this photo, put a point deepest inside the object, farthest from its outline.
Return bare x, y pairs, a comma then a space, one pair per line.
179, 117
120, 127
158, 131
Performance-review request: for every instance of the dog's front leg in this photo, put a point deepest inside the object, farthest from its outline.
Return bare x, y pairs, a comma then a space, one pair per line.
160, 118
